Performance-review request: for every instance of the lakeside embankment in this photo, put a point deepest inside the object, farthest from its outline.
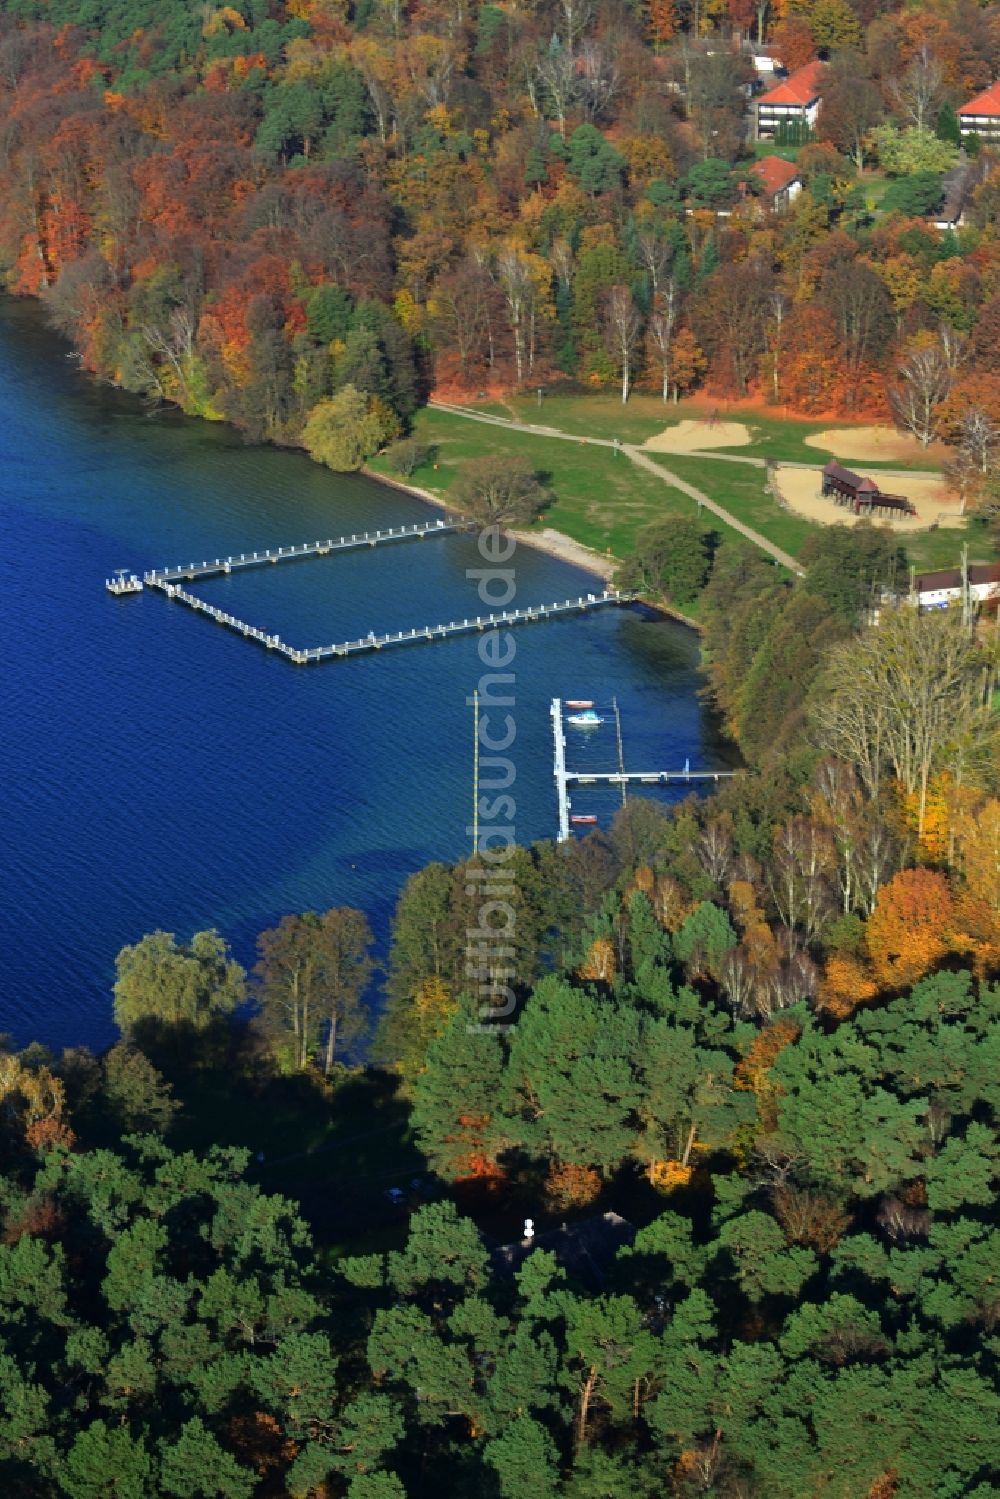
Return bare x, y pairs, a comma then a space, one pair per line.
554, 543
159, 772
549, 540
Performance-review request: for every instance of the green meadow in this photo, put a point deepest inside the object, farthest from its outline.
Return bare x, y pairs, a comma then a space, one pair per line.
602, 500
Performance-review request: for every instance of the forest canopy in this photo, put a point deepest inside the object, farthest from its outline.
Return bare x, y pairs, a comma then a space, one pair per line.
259, 210
748, 1088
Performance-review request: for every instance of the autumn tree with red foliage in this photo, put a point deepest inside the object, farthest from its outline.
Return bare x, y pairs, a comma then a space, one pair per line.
793, 43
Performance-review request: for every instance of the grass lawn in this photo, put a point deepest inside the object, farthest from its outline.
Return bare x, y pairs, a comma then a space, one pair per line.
929, 550
873, 186
741, 491
598, 413
784, 441
600, 500
768, 148
601, 414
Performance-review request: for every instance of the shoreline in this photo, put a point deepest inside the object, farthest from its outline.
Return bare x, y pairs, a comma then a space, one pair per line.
554, 543
550, 541
672, 612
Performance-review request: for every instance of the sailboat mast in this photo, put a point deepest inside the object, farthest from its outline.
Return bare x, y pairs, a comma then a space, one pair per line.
621, 752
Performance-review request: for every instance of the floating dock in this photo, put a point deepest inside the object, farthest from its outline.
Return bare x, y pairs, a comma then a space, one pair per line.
171, 580
559, 768
564, 778
416, 636
123, 582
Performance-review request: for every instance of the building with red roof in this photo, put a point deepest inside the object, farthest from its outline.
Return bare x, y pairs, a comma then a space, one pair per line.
981, 116
779, 179
941, 589
795, 100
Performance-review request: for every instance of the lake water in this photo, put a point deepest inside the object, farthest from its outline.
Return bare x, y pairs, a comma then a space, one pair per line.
158, 771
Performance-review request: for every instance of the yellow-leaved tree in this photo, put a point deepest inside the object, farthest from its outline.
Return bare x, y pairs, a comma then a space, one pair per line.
911, 927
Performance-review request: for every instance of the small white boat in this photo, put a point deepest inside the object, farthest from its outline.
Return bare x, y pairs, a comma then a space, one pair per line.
588, 719
123, 582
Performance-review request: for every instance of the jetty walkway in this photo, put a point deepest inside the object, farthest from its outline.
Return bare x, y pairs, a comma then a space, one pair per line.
189, 571
564, 777
372, 642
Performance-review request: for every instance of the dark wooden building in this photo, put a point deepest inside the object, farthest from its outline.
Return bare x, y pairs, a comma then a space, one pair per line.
862, 495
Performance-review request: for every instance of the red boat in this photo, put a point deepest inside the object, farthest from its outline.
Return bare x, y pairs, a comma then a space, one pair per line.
583, 819
579, 702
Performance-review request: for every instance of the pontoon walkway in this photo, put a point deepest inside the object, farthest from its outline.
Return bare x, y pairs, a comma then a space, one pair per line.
373, 642
191, 570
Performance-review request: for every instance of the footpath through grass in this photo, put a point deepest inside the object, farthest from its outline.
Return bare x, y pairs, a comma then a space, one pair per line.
601, 414
741, 491
602, 500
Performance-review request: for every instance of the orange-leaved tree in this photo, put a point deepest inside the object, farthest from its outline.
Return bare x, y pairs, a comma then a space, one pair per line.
754, 1071
977, 836
910, 929
846, 983
599, 965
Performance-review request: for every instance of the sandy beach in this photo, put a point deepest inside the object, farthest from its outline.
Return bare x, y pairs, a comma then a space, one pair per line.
800, 490
698, 437
555, 543
876, 444
558, 544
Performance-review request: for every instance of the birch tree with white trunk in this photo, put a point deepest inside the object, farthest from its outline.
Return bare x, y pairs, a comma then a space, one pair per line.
623, 330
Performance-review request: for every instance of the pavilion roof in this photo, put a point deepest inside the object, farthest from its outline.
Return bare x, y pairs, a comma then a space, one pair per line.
845, 475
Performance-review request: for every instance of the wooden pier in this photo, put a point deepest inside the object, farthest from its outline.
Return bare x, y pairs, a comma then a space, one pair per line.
189, 571
415, 636
646, 777
565, 778
170, 581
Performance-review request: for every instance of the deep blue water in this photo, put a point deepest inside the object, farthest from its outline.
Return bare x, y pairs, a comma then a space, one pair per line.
158, 771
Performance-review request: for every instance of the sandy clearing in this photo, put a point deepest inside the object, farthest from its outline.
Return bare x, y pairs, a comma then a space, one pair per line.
558, 544
868, 444
800, 490
697, 437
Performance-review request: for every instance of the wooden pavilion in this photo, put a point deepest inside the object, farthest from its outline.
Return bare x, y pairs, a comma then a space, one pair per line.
862, 496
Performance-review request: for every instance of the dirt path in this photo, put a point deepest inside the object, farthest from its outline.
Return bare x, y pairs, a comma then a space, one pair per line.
641, 460
785, 558
503, 421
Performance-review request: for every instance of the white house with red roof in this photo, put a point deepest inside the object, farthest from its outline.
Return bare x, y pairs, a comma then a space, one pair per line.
942, 589
981, 116
795, 100
779, 179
